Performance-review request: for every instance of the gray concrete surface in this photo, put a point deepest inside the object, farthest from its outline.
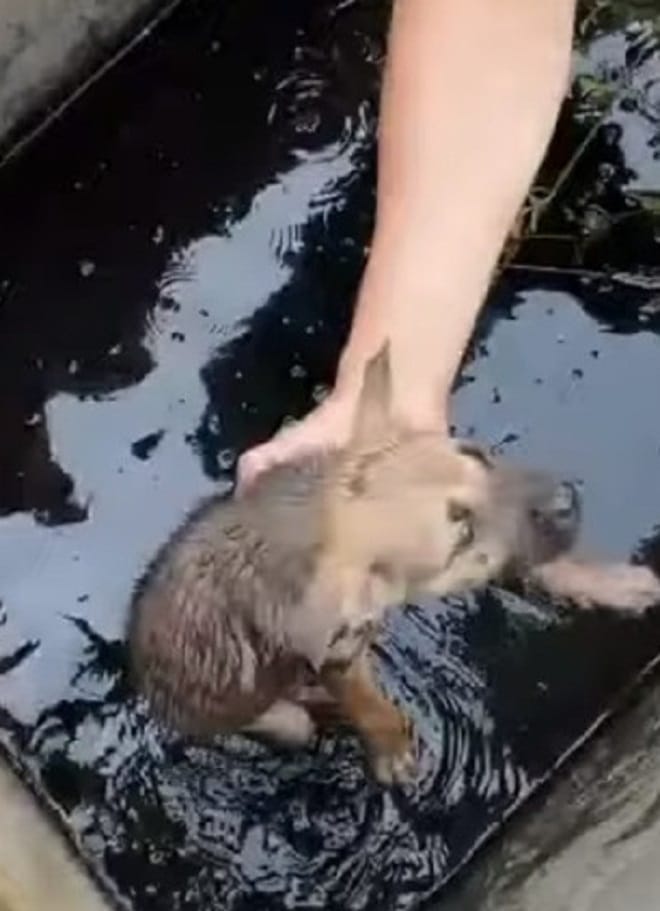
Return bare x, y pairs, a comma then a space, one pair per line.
592, 843
37, 870
47, 46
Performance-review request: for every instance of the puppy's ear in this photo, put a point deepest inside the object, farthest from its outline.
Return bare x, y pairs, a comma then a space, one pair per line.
372, 419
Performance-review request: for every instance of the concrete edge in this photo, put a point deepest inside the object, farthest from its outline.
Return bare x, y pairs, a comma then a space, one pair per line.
53, 51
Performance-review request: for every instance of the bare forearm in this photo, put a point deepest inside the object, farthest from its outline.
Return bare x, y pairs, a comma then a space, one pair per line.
470, 97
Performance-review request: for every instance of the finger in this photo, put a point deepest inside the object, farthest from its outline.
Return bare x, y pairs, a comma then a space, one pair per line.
291, 443
255, 461
250, 465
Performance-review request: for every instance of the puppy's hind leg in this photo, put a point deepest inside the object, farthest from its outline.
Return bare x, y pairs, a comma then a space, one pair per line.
285, 723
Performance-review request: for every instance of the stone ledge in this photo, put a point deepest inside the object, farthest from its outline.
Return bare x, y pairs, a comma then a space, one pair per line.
591, 841
48, 47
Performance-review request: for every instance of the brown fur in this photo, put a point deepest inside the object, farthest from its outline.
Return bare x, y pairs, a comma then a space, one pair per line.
258, 606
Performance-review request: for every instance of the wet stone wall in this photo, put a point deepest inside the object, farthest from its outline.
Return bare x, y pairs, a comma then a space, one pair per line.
47, 47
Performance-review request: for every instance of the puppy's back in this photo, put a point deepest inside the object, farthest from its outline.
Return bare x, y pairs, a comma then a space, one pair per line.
207, 623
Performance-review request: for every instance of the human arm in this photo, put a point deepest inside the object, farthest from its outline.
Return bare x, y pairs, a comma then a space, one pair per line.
471, 92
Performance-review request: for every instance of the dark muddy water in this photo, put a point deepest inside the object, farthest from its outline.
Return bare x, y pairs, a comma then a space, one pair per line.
178, 260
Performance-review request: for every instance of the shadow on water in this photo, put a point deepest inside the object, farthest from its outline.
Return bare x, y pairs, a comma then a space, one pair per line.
178, 262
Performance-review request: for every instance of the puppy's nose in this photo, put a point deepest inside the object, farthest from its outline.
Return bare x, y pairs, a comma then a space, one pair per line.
556, 521
564, 505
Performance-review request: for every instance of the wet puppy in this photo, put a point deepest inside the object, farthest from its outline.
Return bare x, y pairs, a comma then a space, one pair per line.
257, 605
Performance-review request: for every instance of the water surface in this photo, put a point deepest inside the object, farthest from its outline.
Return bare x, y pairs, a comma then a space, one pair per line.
179, 257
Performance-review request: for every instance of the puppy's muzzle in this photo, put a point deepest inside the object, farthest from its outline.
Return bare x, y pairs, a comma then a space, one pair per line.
564, 506
556, 518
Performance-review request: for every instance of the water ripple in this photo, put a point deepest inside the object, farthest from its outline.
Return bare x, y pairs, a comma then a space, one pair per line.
308, 828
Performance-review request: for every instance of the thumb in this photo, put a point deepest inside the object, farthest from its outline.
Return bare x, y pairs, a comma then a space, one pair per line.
260, 458
251, 464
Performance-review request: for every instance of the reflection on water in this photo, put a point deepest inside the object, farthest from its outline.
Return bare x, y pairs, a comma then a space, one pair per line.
179, 260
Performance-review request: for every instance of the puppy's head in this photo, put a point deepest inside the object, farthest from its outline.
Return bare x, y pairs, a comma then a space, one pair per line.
423, 514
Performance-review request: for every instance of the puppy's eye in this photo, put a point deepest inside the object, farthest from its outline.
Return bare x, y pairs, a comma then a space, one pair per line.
457, 512
464, 517
476, 453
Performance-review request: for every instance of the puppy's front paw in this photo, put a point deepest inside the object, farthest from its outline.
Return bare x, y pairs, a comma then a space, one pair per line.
633, 588
619, 586
393, 759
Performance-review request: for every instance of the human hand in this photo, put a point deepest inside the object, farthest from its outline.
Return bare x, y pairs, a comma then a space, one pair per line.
325, 428
328, 427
